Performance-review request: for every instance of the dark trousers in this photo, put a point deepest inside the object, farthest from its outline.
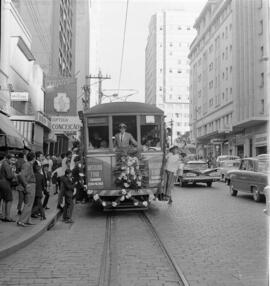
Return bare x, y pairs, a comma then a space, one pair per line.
80, 195
38, 208
68, 208
46, 199
21, 200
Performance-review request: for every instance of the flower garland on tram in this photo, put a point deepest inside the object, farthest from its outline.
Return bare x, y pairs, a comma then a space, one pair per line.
130, 176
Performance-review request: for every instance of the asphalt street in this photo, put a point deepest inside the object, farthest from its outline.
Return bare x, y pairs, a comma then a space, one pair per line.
216, 239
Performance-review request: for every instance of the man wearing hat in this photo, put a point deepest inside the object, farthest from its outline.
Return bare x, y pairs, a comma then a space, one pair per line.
123, 139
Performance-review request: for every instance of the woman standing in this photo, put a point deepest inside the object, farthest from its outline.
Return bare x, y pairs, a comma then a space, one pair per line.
171, 168
7, 174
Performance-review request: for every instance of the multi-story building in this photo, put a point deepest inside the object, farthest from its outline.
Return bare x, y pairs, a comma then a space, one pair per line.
167, 67
21, 81
227, 78
52, 26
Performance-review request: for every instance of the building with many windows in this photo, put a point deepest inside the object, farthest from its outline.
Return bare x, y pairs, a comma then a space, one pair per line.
167, 67
52, 26
21, 82
228, 64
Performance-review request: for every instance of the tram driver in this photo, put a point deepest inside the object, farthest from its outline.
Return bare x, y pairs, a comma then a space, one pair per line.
124, 139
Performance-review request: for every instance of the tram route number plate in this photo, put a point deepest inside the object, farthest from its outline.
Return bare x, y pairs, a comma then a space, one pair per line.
95, 175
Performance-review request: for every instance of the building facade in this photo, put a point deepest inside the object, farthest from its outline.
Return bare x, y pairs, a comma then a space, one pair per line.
167, 67
22, 90
228, 80
52, 25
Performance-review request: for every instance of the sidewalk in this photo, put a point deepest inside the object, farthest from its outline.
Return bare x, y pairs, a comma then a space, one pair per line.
13, 238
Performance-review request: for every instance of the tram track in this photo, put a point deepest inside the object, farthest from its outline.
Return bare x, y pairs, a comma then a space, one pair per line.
116, 232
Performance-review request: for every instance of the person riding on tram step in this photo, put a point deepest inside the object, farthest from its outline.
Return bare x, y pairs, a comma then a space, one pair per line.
123, 139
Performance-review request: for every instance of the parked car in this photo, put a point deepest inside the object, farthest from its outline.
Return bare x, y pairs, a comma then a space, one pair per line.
198, 172
226, 158
228, 165
251, 177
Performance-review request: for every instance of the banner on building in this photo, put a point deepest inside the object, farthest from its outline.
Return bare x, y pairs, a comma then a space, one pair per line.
65, 124
61, 99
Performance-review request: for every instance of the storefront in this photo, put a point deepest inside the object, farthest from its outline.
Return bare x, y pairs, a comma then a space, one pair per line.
34, 128
261, 143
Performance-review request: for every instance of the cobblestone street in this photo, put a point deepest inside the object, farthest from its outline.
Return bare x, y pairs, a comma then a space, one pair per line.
216, 239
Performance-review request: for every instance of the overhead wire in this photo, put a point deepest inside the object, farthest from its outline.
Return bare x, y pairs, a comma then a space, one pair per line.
123, 47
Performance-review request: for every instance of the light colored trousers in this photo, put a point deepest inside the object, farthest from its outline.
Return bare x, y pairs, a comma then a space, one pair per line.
169, 183
29, 201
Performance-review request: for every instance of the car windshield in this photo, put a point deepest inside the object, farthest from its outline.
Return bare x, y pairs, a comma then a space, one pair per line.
263, 166
229, 164
197, 166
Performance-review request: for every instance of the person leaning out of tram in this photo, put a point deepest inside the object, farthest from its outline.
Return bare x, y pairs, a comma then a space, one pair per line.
67, 191
173, 162
124, 139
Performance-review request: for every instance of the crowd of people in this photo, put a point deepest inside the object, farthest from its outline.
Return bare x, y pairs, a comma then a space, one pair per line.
35, 177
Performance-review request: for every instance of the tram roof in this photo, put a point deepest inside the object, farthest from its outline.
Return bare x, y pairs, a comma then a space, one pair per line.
124, 108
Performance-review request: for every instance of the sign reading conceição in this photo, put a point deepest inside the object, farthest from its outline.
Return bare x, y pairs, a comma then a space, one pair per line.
64, 124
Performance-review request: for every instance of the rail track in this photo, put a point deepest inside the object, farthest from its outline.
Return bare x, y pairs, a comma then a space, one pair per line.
113, 236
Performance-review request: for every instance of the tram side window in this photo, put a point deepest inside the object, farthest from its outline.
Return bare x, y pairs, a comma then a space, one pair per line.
98, 133
150, 133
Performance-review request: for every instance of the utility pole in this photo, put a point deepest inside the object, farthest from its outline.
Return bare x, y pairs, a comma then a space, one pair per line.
100, 78
171, 123
86, 99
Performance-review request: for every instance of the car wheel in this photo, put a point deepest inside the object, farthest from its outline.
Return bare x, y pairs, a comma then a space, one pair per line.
257, 197
209, 184
233, 192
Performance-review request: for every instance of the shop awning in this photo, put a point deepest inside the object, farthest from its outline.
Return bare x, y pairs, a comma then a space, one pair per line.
10, 137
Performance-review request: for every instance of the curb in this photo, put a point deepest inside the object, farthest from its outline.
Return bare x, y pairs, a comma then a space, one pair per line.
29, 237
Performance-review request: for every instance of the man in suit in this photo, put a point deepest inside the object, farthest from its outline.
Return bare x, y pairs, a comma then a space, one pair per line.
123, 139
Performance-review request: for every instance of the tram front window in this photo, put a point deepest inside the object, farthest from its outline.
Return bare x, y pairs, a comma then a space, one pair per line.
150, 133
125, 131
98, 133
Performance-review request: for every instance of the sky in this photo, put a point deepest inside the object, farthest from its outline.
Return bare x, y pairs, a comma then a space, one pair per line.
112, 20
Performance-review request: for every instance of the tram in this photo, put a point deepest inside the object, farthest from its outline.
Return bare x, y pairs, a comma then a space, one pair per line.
123, 177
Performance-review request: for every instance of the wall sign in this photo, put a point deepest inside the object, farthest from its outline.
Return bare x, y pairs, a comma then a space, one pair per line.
19, 96
63, 124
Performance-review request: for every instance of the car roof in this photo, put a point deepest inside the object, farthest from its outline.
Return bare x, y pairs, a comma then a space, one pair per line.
197, 162
124, 108
228, 156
